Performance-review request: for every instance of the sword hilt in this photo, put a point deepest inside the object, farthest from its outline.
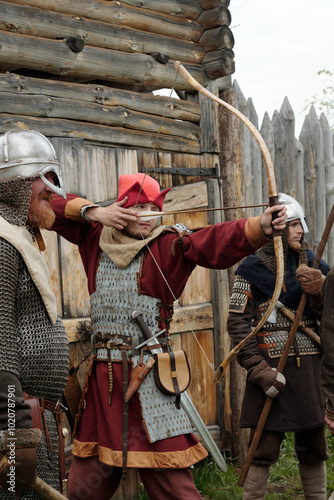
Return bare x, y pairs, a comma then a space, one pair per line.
138, 317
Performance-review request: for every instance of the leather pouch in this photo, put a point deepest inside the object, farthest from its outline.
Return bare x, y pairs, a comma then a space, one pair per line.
172, 373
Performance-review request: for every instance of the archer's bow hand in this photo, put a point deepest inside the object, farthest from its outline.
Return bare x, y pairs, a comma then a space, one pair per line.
310, 279
279, 223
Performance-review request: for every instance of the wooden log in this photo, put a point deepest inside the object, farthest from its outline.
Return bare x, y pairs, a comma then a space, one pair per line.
48, 24
137, 71
256, 170
217, 38
189, 9
215, 17
246, 138
219, 63
99, 134
117, 116
232, 157
327, 135
138, 101
115, 12
220, 293
290, 171
209, 122
267, 133
314, 175
212, 4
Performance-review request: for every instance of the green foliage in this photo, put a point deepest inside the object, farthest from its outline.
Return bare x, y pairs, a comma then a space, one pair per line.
324, 100
284, 482
214, 484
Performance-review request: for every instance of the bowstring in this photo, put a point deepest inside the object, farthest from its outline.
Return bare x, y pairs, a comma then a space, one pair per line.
211, 365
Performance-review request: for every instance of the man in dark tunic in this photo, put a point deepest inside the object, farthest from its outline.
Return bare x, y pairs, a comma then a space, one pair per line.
139, 265
33, 343
298, 405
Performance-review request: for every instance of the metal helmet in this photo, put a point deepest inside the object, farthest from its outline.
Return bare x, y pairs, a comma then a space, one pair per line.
28, 154
294, 209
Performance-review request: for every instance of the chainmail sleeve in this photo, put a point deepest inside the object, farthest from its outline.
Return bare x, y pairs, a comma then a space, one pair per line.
9, 275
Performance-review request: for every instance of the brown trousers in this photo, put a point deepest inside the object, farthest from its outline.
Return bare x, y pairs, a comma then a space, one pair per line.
89, 479
310, 446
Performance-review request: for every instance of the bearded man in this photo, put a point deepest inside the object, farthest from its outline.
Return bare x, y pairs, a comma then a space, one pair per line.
126, 261
298, 405
34, 354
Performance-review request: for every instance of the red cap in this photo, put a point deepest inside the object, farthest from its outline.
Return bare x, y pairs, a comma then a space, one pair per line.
143, 185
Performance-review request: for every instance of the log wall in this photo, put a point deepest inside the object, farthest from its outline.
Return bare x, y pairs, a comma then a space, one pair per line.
97, 62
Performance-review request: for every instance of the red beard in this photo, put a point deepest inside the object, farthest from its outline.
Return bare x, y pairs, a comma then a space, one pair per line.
39, 215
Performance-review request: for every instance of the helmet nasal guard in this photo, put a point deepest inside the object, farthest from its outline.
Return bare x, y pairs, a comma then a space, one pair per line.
28, 154
294, 209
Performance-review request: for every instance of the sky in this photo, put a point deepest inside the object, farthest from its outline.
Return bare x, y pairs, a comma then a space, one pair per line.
279, 48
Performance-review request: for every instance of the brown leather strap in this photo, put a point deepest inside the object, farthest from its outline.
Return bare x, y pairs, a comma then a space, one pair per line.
110, 337
111, 345
150, 347
125, 412
266, 346
175, 381
48, 405
61, 449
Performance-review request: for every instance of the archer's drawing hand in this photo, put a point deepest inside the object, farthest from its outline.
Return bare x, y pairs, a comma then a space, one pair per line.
113, 216
279, 223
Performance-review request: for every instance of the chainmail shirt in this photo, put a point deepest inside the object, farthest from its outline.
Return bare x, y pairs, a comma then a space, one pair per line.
33, 349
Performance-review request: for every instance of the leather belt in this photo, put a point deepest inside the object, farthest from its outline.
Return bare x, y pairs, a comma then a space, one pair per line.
102, 349
102, 352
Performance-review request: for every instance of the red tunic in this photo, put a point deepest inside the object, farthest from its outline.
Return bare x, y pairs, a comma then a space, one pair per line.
217, 247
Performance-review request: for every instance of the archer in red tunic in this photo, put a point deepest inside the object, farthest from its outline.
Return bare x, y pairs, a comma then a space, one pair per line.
140, 267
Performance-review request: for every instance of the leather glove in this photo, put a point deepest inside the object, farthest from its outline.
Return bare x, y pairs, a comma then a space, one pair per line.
310, 279
18, 459
271, 381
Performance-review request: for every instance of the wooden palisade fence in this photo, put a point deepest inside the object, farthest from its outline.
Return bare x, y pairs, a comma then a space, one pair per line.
83, 73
